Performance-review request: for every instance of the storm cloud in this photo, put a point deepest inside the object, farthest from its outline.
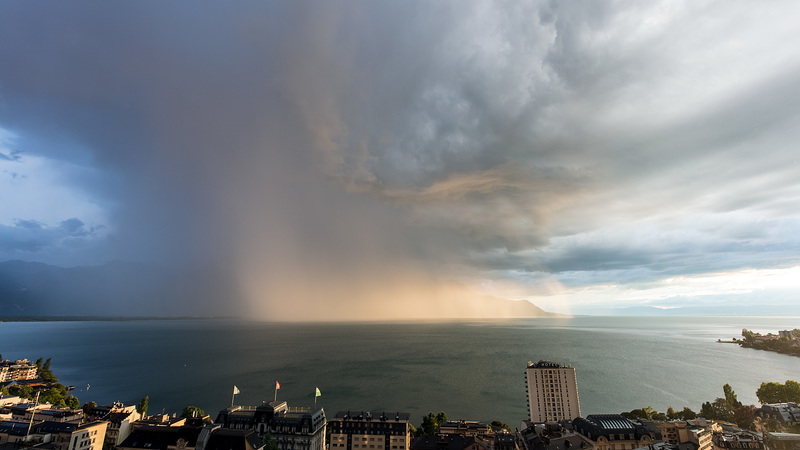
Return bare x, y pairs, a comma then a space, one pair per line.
370, 160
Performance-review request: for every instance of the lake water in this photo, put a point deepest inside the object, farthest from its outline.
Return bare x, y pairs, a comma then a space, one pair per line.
471, 370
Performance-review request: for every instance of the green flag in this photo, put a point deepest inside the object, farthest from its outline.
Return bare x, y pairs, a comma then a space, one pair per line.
319, 394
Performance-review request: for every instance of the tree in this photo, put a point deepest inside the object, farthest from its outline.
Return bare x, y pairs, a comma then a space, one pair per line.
87, 407
141, 408
641, 413
687, 414
53, 395
39, 363
431, 422
671, 414
659, 416
499, 424
72, 402
46, 365
771, 392
716, 410
428, 425
48, 376
269, 443
192, 411
774, 392
744, 416
792, 391
730, 397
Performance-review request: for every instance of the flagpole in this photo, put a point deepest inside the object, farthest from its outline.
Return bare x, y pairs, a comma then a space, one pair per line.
276, 391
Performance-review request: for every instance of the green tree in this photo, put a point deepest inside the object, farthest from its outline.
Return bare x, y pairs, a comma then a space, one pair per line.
53, 395
269, 442
792, 391
431, 422
641, 413
192, 411
48, 376
671, 414
744, 416
730, 397
141, 408
687, 414
39, 363
46, 365
771, 392
428, 425
88, 406
72, 402
659, 416
499, 424
716, 410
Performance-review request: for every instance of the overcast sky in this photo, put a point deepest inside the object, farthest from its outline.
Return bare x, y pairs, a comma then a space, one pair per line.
366, 158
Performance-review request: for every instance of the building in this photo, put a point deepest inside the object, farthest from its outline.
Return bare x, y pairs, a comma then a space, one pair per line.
681, 432
787, 334
9, 400
53, 435
21, 369
370, 431
552, 392
290, 428
193, 436
737, 440
782, 412
160, 420
781, 441
449, 442
465, 428
71, 436
551, 436
45, 412
13, 431
120, 418
614, 432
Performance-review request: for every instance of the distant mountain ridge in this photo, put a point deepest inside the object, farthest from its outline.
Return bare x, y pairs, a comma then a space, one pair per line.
126, 289
118, 289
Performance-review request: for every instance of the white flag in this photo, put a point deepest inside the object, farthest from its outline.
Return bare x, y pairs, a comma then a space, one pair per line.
235, 390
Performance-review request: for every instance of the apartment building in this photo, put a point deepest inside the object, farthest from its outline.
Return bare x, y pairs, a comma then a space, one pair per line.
552, 392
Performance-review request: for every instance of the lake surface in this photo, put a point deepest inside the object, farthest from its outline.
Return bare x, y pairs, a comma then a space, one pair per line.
470, 370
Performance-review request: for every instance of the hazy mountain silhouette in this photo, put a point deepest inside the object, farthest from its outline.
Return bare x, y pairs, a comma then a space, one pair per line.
112, 289
126, 289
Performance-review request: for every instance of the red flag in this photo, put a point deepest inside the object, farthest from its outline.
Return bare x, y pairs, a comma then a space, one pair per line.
277, 385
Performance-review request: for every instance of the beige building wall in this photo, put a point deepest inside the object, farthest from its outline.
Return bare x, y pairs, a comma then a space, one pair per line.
89, 436
552, 391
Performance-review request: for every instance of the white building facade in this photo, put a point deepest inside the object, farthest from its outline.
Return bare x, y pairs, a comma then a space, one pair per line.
552, 392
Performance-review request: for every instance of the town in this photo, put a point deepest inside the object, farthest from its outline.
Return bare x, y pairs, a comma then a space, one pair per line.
38, 413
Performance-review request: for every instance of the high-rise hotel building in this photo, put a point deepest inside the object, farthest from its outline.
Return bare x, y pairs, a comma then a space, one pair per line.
552, 391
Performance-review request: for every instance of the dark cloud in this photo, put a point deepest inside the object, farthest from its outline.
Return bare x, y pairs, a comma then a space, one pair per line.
312, 150
28, 237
